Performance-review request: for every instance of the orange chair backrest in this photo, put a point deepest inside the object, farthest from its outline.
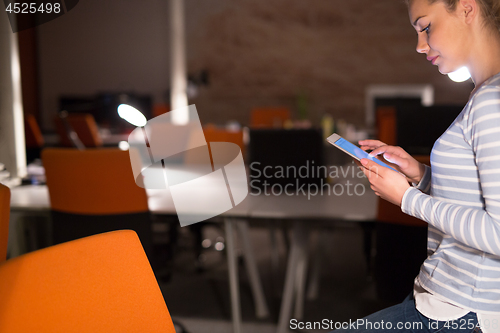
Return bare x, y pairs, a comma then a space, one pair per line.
92, 181
102, 283
33, 135
84, 125
269, 117
387, 133
4, 220
387, 125
214, 134
159, 109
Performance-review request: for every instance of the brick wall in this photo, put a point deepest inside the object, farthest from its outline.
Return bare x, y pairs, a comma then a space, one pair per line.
257, 53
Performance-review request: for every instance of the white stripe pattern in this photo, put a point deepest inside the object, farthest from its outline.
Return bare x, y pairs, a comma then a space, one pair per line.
483, 118
485, 132
488, 145
453, 166
454, 155
456, 189
463, 213
451, 177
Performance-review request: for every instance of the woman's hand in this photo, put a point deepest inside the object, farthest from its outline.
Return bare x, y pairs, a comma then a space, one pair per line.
397, 157
386, 183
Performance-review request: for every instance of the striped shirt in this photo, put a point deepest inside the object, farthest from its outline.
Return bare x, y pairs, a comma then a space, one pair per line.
459, 196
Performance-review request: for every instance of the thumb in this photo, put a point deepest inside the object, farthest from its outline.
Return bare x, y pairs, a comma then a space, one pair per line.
392, 158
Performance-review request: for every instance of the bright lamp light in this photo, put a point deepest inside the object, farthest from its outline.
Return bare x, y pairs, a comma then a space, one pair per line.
132, 115
460, 75
123, 145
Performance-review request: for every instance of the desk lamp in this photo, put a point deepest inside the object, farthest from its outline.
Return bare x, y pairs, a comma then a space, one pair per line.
132, 115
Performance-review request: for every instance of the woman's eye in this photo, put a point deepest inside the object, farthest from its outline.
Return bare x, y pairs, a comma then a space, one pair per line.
426, 29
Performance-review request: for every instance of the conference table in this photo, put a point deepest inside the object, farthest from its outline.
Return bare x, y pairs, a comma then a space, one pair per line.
345, 203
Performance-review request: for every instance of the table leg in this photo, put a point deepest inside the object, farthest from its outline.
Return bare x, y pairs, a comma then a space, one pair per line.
274, 259
261, 309
233, 276
300, 234
16, 244
300, 284
313, 287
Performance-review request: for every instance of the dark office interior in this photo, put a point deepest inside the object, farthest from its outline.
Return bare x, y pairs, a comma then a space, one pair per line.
309, 63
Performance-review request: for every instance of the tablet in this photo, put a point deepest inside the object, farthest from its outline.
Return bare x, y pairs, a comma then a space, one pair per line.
354, 151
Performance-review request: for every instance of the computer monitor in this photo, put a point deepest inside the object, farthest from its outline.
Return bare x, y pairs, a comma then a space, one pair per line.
285, 157
103, 106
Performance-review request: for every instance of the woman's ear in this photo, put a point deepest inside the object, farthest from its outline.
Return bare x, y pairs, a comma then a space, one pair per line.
467, 9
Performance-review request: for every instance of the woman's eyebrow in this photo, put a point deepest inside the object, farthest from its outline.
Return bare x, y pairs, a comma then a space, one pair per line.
418, 18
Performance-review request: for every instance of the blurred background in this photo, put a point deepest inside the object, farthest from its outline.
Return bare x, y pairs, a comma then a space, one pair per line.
287, 72
240, 55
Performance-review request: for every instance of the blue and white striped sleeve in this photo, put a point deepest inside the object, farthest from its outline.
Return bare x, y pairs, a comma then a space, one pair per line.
476, 224
425, 183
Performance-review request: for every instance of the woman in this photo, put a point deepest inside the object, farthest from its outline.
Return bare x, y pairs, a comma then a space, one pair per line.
458, 287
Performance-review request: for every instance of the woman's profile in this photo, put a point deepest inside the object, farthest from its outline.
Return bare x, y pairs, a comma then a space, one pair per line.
458, 286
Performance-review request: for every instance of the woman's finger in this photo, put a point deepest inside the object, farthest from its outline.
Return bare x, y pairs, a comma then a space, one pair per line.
371, 142
387, 149
365, 148
395, 159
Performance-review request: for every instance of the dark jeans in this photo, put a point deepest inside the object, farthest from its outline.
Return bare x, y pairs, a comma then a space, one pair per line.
404, 317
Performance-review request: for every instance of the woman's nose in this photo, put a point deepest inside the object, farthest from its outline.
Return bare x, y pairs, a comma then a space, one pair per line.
422, 46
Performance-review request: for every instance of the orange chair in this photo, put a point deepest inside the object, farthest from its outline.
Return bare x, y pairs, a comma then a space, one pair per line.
33, 136
102, 283
4, 220
214, 134
159, 109
93, 191
387, 133
269, 116
84, 126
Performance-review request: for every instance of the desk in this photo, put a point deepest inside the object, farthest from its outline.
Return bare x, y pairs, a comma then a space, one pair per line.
299, 208
295, 207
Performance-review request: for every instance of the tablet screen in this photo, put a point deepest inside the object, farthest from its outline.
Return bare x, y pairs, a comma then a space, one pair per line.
358, 153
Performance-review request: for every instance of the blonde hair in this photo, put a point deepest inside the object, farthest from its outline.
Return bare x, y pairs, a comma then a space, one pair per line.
490, 10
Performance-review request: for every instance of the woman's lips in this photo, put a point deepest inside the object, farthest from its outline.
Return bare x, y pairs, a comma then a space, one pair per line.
432, 59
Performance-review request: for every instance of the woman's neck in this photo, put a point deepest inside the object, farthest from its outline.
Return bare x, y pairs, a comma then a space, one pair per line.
485, 60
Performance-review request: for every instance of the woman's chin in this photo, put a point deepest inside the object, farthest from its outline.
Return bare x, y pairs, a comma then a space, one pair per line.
447, 70
443, 70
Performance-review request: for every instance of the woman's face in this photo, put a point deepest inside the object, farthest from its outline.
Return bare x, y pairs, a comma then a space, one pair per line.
441, 34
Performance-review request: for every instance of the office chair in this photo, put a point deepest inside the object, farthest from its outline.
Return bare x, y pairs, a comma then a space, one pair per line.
83, 124
102, 283
93, 191
4, 220
33, 136
269, 117
215, 134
